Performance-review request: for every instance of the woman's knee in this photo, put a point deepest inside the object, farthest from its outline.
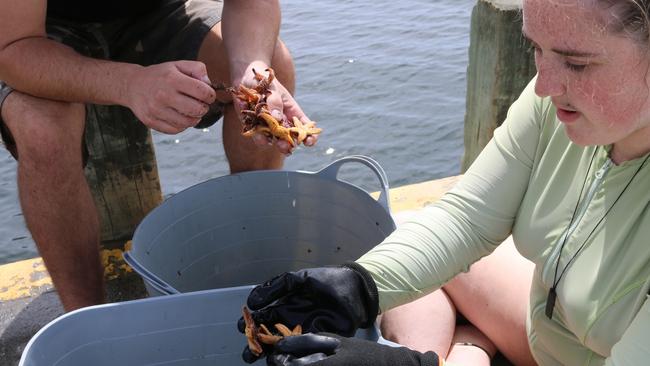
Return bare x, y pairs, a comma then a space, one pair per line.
425, 324
503, 275
44, 131
493, 296
471, 347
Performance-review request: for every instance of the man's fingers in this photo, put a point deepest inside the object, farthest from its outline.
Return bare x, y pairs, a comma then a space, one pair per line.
162, 126
261, 139
169, 121
197, 85
195, 69
188, 106
310, 140
191, 108
196, 89
177, 119
277, 114
178, 101
284, 147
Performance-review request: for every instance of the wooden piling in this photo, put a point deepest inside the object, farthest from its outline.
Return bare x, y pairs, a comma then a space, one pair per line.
500, 66
121, 171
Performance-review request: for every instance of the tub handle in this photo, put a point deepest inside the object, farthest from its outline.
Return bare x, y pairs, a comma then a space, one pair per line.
331, 171
152, 279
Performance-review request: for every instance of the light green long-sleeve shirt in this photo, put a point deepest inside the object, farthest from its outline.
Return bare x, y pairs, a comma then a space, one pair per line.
526, 182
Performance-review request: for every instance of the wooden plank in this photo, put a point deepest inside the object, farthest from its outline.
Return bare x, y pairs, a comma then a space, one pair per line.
500, 66
506, 4
121, 170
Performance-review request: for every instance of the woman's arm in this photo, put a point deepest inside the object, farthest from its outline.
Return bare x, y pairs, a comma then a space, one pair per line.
471, 220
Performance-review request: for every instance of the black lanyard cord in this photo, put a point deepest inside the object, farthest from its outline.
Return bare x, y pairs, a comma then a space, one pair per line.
552, 294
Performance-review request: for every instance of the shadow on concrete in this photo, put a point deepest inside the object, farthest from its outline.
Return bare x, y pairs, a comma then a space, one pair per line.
20, 319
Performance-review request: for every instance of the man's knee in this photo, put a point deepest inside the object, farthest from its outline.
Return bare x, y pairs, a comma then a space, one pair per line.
44, 131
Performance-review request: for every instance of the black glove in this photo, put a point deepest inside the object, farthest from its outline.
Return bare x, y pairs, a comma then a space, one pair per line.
337, 299
328, 349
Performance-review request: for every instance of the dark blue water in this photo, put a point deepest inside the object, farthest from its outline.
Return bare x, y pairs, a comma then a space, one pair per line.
382, 78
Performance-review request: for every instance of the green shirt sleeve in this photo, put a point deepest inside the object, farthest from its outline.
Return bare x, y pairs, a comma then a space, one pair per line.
469, 221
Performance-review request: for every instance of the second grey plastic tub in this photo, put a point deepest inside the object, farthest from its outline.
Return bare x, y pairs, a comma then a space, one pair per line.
242, 229
194, 329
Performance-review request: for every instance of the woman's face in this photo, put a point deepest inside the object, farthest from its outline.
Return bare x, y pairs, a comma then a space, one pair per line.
597, 79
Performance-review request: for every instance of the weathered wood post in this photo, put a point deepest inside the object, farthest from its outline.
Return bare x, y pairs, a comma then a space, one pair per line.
121, 171
500, 66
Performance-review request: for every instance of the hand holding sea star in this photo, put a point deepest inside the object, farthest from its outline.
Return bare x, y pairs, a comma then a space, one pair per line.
258, 119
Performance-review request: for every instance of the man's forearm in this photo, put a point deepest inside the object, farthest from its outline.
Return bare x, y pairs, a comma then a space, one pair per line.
44, 68
250, 32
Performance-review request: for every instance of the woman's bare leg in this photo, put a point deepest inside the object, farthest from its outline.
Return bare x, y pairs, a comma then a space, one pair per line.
429, 324
493, 296
426, 324
471, 347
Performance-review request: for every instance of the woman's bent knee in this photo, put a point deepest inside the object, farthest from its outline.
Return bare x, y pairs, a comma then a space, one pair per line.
493, 296
426, 324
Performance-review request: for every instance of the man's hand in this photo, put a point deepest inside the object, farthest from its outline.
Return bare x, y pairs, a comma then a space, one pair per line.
281, 104
172, 96
326, 349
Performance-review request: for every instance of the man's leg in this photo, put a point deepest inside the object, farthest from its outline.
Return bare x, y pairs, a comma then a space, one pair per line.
242, 153
54, 195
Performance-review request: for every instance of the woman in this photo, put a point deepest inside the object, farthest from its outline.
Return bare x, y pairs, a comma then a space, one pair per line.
567, 175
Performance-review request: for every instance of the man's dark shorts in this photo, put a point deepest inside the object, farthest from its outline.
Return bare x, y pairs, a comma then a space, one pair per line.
172, 32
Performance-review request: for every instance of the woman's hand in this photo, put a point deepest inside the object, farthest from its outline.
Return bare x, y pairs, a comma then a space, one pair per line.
327, 349
334, 299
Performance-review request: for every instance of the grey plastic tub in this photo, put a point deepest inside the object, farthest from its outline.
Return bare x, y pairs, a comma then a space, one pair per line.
244, 228
197, 329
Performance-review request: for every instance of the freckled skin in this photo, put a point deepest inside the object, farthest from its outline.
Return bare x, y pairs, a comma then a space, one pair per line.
611, 93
